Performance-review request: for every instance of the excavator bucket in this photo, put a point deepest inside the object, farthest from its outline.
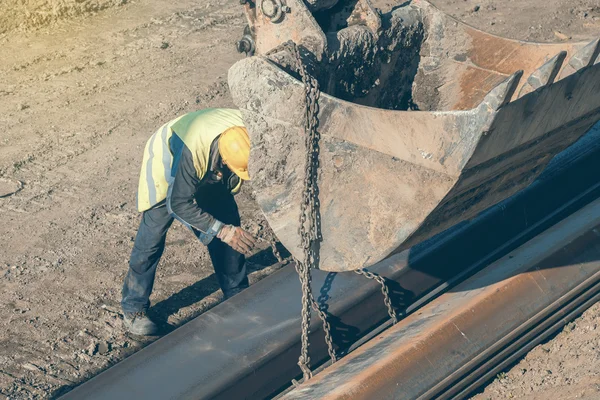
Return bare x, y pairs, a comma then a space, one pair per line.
424, 121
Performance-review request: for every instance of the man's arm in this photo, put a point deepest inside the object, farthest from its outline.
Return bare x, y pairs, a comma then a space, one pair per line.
180, 199
182, 204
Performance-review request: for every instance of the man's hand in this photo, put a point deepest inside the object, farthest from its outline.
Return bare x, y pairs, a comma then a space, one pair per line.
237, 238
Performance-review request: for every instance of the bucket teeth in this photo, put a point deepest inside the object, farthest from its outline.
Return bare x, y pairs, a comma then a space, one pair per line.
503, 93
585, 57
544, 75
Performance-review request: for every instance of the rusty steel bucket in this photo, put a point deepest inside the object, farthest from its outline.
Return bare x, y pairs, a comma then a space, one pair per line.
424, 121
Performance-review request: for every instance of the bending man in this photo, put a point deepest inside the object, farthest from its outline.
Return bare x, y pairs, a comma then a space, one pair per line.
191, 169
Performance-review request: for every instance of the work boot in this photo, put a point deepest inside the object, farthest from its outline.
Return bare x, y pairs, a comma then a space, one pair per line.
139, 324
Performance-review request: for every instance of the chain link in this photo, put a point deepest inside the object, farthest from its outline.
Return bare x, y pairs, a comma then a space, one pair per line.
268, 236
326, 329
275, 250
384, 289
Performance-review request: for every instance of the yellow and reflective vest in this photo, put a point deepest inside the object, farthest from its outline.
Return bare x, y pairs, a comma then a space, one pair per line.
197, 130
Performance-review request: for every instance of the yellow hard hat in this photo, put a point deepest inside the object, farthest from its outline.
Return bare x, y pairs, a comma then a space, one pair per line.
234, 147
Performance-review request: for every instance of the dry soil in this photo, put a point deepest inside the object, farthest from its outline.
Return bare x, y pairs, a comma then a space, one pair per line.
82, 86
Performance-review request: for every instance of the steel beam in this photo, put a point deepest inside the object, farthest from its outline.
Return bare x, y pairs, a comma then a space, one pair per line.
422, 356
247, 347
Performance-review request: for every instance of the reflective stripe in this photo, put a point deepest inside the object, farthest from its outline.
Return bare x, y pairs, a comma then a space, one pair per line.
237, 187
196, 130
207, 237
149, 177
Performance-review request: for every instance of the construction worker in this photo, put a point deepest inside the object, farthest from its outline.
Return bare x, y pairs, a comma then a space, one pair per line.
191, 168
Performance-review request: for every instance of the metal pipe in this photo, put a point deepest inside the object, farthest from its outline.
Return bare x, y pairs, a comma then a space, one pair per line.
247, 347
526, 288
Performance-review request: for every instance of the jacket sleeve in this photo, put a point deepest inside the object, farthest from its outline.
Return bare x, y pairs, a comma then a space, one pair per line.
181, 201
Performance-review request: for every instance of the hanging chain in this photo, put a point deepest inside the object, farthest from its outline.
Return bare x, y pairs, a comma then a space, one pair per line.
274, 249
309, 217
304, 359
384, 289
326, 329
268, 236
309, 230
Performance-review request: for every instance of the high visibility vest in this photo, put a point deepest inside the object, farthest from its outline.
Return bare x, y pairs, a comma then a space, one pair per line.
197, 130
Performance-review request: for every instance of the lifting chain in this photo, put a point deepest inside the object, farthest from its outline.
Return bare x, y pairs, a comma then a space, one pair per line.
268, 236
310, 233
309, 229
384, 289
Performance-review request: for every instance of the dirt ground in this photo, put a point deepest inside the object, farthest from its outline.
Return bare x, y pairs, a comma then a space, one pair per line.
566, 367
82, 86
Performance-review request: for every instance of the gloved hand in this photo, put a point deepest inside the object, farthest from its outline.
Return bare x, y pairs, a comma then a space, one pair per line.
237, 238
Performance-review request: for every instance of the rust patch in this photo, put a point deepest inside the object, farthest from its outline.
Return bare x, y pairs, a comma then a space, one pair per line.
507, 56
475, 84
